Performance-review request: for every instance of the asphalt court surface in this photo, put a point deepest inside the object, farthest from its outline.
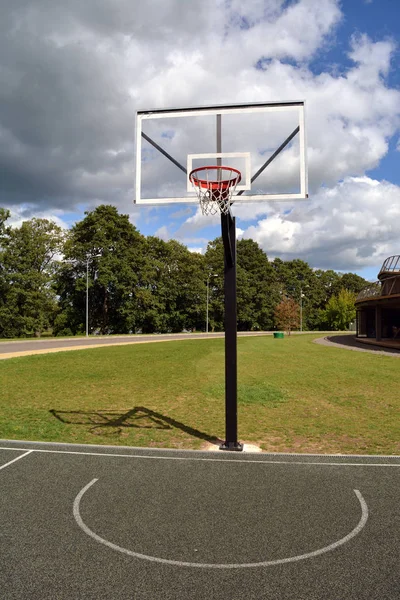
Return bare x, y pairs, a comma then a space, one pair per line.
128, 523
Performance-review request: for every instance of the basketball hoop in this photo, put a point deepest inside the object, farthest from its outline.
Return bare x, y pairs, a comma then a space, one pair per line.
214, 187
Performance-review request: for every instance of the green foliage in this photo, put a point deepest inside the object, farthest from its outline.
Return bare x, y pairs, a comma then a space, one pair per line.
144, 284
28, 262
257, 293
351, 282
4, 215
340, 310
106, 254
214, 267
298, 281
174, 295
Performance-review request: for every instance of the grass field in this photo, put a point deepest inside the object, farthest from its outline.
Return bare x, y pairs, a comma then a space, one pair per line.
294, 395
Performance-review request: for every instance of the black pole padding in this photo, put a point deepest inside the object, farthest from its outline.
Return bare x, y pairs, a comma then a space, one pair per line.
228, 228
227, 223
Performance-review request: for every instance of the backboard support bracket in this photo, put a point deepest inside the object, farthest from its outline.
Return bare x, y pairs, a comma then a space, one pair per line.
273, 156
164, 152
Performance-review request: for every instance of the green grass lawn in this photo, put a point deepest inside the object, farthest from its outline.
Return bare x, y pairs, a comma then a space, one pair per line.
294, 395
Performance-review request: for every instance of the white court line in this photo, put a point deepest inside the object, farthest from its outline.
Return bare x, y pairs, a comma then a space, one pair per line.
15, 459
267, 563
172, 450
224, 460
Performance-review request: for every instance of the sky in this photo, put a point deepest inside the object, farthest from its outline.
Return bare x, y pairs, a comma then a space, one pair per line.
73, 74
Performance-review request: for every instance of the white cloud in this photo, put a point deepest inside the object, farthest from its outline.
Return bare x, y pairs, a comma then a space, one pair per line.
73, 73
19, 214
163, 233
372, 58
295, 32
351, 225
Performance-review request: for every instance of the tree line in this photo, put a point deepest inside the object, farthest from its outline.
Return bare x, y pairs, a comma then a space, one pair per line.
143, 284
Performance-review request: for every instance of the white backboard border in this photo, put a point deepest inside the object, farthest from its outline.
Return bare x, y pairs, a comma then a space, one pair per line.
297, 105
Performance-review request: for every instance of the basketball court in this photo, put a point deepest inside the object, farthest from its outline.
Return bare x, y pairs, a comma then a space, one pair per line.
119, 523
145, 524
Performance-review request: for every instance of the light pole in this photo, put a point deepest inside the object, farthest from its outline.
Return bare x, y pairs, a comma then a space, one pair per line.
89, 257
208, 295
301, 309
87, 295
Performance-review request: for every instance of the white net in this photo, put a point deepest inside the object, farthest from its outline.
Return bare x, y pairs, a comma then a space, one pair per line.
215, 187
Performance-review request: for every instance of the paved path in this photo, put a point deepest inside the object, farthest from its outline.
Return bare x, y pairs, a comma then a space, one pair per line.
119, 523
350, 342
43, 346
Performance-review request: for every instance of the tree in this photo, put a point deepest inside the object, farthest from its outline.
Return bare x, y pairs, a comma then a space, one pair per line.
257, 293
297, 280
192, 296
117, 273
4, 215
351, 282
340, 310
214, 265
287, 315
28, 259
174, 297
4, 283
257, 290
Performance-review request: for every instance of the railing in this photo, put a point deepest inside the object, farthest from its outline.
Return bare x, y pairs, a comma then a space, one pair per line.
390, 264
371, 291
388, 287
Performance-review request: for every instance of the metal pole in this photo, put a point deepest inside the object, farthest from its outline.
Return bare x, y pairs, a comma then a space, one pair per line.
219, 138
301, 310
87, 297
228, 227
208, 281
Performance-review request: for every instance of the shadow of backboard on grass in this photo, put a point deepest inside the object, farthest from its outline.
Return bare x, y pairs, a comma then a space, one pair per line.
108, 422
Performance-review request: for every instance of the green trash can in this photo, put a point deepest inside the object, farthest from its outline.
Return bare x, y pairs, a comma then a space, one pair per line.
278, 334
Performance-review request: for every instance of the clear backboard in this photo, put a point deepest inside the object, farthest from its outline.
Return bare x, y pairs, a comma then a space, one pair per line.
266, 142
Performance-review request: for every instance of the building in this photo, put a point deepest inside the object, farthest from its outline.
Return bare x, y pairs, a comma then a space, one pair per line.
378, 305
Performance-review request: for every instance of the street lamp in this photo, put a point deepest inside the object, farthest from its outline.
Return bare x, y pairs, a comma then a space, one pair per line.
89, 257
208, 294
301, 309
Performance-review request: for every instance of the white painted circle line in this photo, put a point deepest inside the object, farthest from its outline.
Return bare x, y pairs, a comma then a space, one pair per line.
178, 563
